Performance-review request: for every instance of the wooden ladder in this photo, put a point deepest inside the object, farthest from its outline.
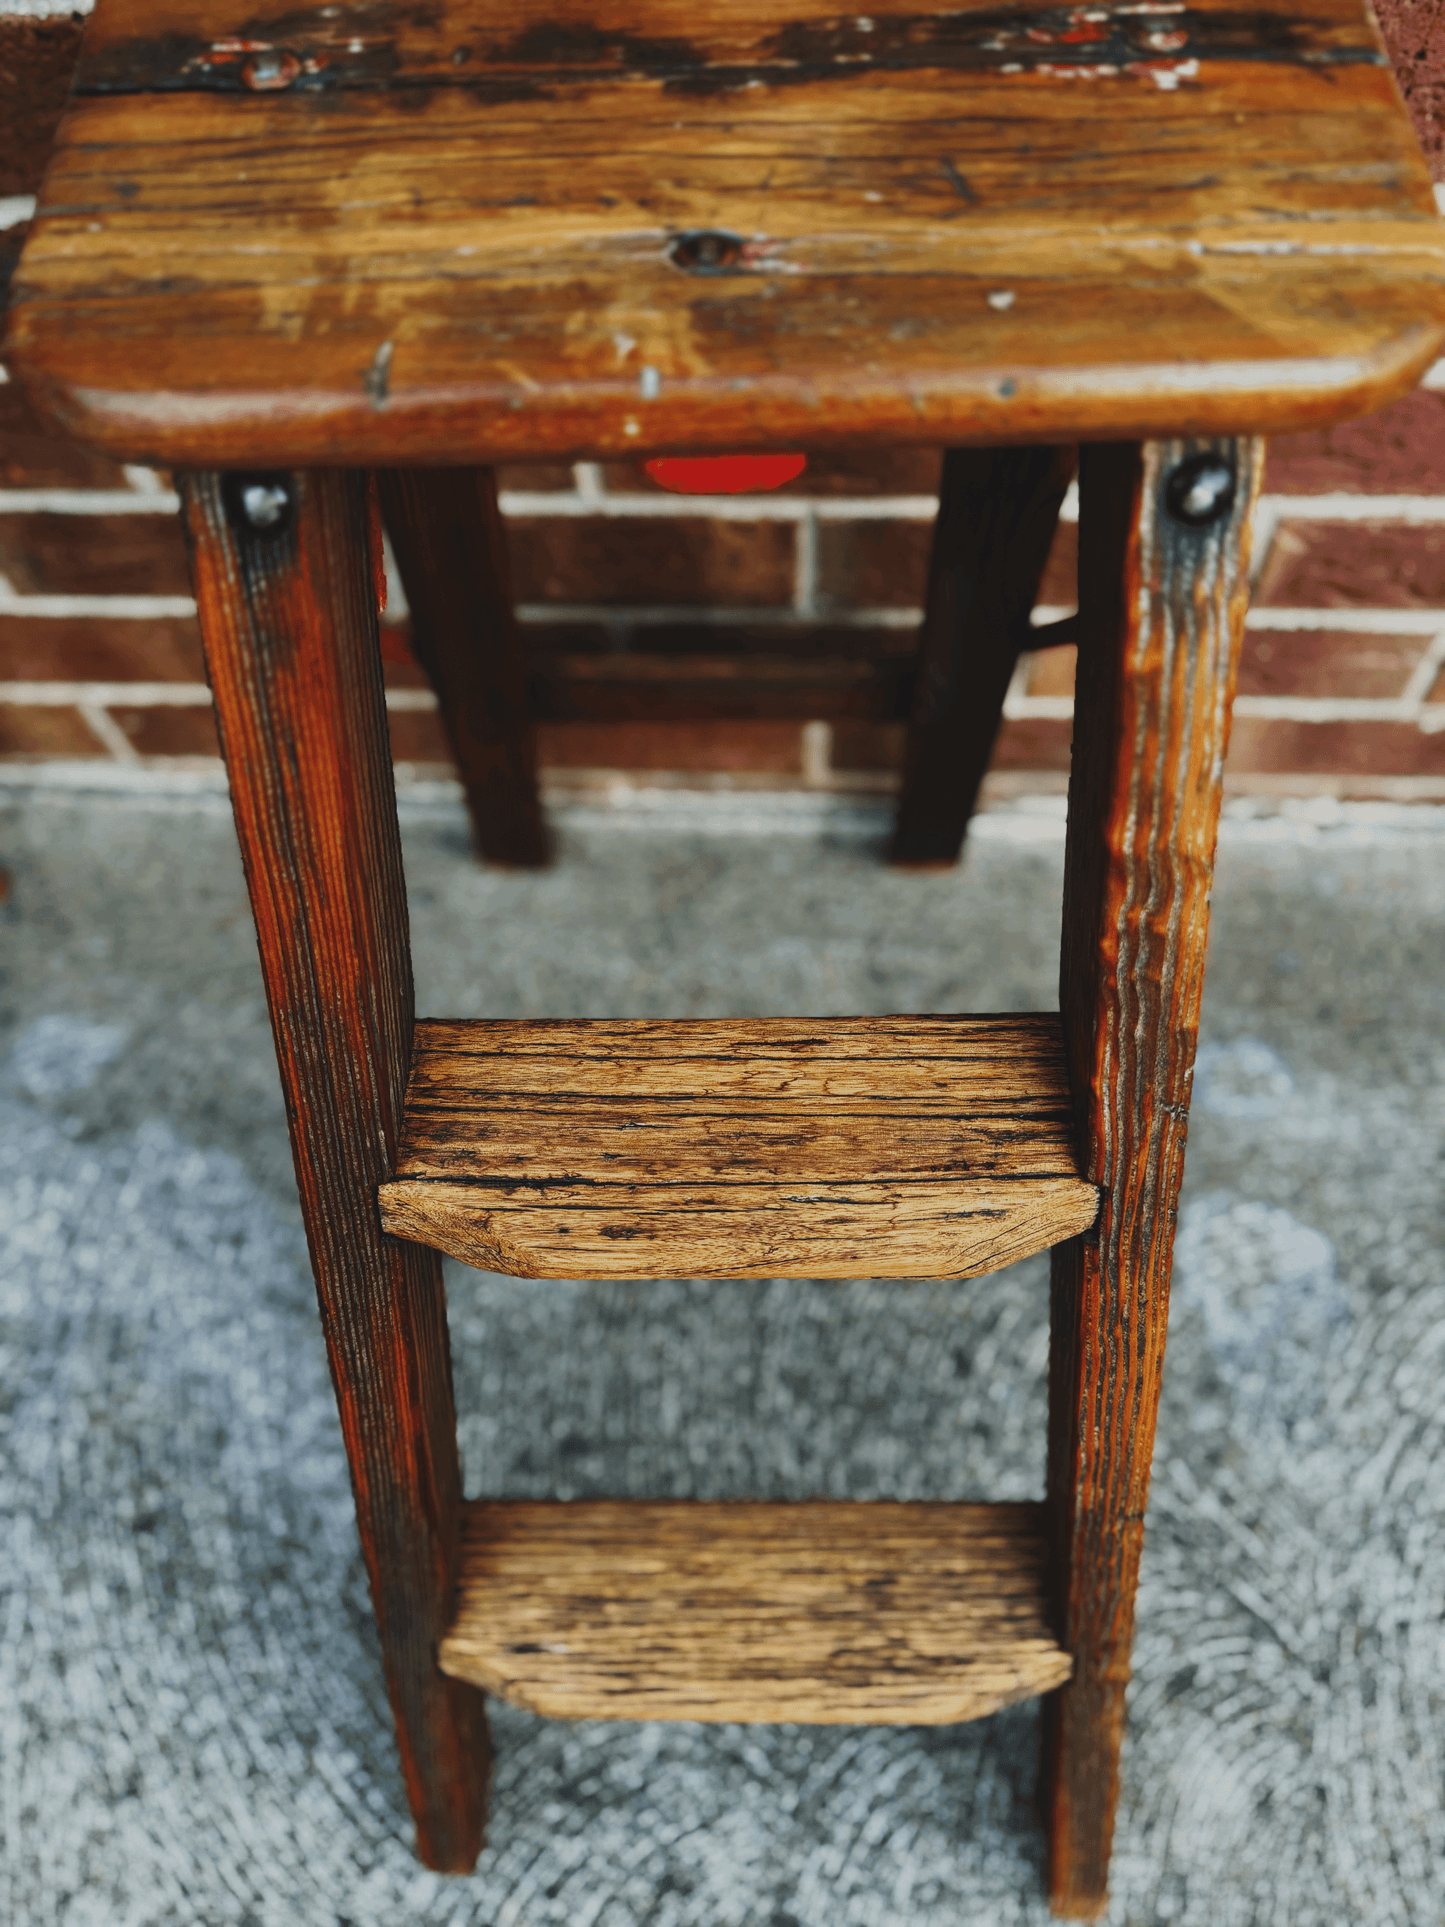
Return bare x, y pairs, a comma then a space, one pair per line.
894, 1147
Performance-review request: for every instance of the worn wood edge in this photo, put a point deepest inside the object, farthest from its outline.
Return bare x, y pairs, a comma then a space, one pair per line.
739, 1610
1162, 613
289, 626
957, 1230
955, 407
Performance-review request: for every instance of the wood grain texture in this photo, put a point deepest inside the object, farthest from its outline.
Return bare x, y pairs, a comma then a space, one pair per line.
739, 1148
289, 624
879, 1613
451, 551
997, 512
450, 233
1161, 618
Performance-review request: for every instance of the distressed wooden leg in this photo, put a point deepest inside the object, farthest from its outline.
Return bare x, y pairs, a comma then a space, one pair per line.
288, 615
451, 548
1163, 559
997, 511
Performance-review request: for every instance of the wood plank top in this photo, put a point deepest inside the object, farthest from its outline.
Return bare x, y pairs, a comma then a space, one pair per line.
878, 1613
451, 231
841, 1147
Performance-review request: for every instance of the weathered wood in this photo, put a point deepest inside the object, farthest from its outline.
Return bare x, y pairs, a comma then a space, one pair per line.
288, 617
997, 512
451, 551
1161, 617
734, 1148
825, 1612
458, 233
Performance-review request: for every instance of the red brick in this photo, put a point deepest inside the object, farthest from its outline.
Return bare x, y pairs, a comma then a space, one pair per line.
1260, 745
871, 471
868, 746
876, 471
774, 747
417, 736
681, 559
1033, 742
533, 478
1050, 672
27, 731
100, 649
1060, 580
37, 58
1398, 451
1415, 38
168, 730
1341, 565
1313, 662
32, 455
873, 564
1437, 693
46, 554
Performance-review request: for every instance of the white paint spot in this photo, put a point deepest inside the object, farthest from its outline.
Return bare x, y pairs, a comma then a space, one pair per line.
649, 384
863, 23
355, 46
630, 428
624, 344
1167, 74
872, 194
57, 1055
1001, 298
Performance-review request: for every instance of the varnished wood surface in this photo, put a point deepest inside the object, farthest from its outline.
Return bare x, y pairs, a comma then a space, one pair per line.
451, 551
289, 625
731, 1148
449, 233
826, 1612
997, 512
1161, 619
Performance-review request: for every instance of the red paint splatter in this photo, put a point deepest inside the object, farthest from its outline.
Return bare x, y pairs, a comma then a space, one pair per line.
724, 474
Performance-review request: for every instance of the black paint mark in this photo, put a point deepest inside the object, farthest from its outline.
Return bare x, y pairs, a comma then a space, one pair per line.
964, 190
550, 54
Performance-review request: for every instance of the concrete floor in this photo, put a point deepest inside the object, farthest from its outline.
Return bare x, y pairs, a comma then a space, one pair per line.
192, 1724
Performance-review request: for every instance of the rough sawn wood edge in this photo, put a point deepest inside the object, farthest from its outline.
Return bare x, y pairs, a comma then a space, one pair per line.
819, 1611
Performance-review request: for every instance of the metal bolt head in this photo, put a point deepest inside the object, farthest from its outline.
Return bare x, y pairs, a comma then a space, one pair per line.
1200, 490
707, 252
261, 502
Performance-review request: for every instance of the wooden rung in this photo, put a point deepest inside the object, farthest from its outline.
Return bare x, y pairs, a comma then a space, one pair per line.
884, 1614
842, 1147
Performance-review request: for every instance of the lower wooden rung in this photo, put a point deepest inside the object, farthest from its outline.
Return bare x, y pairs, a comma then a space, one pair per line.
879, 1613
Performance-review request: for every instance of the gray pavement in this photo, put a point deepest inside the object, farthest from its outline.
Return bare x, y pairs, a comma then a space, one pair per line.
192, 1723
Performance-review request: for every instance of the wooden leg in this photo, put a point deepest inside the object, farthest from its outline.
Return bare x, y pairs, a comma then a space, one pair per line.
288, 614
451, 548
1163, 561
997, 511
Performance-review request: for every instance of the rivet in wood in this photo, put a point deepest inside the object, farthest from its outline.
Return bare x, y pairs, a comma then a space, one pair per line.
261, 502
709, 251
1200, 490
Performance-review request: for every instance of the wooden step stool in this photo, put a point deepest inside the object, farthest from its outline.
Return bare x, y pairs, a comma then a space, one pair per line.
412, 240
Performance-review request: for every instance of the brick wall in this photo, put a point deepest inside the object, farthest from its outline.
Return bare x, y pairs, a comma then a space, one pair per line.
1343, 685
